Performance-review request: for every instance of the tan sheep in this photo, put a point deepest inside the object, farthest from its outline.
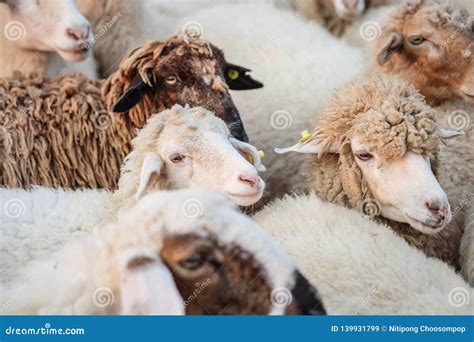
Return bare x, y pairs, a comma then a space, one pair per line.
376, 147
29, 43
63, 133
430, 44
215, 261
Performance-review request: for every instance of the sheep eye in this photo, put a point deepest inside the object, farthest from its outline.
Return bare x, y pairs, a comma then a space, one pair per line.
364, 156
177, 158
192, 263
416, 40
171, 80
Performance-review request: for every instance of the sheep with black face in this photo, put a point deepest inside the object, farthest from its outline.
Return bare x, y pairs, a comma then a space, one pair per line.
179, 252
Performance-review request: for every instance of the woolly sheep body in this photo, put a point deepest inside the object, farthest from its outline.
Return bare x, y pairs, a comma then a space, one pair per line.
360, 267
299, 75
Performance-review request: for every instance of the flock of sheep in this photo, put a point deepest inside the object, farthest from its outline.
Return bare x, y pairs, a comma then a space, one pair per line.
129, 139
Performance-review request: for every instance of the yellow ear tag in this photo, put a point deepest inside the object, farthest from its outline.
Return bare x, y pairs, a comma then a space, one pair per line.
261, 154
305, 136
233, 74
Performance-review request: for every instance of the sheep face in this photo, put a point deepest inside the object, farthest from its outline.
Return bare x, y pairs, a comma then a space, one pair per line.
65, 31
349, 8
179, 71
430, 45
221, 262
377, 144
194, 149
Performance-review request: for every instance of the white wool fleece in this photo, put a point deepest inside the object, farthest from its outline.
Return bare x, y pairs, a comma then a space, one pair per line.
361, 267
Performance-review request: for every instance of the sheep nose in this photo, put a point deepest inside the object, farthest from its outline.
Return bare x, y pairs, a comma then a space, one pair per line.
252, 181
78, 33
350, 4
438, 209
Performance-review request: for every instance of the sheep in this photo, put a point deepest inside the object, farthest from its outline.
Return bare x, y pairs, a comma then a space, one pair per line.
361, 267
178, 148
32, 44
300, 64
189, 252
336, 15
376, 148
467, 244
63, 133
430, 44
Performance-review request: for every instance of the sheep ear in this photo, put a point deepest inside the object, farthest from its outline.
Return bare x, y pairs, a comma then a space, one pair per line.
393, 43
448, 134
310, 147
147, 286
150, 172
254, 156
237, 78
134, 94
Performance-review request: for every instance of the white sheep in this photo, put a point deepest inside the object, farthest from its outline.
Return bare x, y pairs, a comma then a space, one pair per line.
300, 64
56, 45
176, 252
359, 266
178, 148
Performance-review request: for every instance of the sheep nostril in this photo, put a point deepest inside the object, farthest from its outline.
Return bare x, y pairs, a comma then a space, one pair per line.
350, 4
78, 34
252, 181
437, 209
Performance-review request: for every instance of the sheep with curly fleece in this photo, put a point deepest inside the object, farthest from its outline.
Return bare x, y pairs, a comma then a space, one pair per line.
30, 43
467, 243
208, 260
376, 148
430, 44
178, 148
299, 74
361, 267
63, 132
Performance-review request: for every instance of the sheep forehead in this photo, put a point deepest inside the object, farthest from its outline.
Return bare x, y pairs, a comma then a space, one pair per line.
210, 215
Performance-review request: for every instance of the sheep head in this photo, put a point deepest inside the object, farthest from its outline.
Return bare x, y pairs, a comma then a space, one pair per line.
65, 31
179, 71
192, 252
181, 148
377, 144
430, 44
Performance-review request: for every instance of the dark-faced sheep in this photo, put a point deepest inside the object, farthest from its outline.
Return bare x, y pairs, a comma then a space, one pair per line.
376, 148
63, 132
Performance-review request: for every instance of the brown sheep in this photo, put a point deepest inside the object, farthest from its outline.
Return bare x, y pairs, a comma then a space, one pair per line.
376, 149
62, 132
431, 45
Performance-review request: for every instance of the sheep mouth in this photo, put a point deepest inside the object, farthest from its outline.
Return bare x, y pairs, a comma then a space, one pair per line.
427, 227
73, 54
245, 199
